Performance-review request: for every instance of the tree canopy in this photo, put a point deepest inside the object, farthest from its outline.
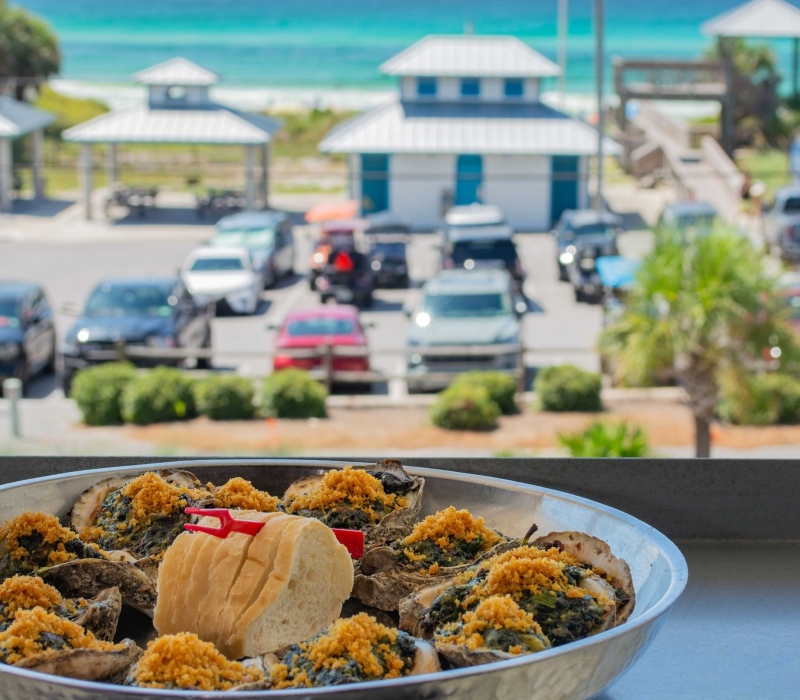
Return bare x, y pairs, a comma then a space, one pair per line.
29, 52
700, 307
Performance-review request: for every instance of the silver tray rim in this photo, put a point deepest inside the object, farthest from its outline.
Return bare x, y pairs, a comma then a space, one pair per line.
678, 580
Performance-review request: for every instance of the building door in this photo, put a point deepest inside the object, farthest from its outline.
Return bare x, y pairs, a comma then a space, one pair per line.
469, 176
374, 182
564, 191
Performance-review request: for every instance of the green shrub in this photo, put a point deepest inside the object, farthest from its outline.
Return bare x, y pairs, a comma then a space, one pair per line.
292, 393
224, 397
502, 388
163, 394
567, 388
766, 399
97, 391
607, 440
465, 407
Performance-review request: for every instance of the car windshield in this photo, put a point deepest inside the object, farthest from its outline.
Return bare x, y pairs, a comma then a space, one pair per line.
320, 326
599, 229
467, 305
128, 300
792, 205
9, 313
793, 302
393, 250
217, 265
696, 220
249, 238
484, 250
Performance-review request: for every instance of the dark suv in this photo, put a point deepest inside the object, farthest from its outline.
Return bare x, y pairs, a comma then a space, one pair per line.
485, 250
593, 233
27, 332
149, 312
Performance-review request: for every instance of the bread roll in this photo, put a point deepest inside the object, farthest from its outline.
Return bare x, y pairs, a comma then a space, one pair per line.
251, 595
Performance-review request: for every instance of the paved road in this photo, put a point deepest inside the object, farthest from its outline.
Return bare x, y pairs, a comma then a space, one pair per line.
555, 330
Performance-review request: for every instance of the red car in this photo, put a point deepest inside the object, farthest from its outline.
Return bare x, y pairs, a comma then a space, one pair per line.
337, 326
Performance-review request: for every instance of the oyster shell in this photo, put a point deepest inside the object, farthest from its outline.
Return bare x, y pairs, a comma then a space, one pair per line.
89, 577
101, 615
597, 553
86, 664
382, 580
393, 526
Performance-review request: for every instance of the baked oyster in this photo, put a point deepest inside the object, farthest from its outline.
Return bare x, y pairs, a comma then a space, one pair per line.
99, 615
439, 547
36, 543
44, 642
565, 596
383, 500
353, 650
184, 661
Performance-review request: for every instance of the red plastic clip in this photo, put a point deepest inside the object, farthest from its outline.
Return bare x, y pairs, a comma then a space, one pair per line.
353, 540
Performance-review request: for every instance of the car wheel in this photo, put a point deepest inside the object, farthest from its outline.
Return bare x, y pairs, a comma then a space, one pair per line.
65, 380
562, 273
205, 362
579, 295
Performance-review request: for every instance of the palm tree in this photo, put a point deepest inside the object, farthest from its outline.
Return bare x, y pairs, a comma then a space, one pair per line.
29, 52
698, 308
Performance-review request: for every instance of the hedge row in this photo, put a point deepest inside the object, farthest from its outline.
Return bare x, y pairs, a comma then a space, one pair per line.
113, 393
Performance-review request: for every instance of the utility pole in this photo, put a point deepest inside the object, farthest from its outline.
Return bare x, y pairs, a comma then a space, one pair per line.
562, 51
601, 121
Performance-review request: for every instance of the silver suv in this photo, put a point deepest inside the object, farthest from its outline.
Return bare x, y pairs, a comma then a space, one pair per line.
458, 309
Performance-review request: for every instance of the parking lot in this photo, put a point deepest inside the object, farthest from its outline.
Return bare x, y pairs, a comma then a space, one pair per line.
556, 329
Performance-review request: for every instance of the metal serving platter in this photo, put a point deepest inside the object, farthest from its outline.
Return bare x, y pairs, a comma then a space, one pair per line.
575, 671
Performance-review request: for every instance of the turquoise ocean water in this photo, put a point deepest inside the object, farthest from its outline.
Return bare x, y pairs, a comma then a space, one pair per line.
341, 43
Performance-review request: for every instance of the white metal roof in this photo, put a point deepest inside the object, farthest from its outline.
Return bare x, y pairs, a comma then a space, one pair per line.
758, 18
140, 124
18, 118
461, 128
470, 55
176, 71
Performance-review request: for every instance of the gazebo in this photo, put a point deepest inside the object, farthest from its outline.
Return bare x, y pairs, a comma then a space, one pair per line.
18, 119
763, 19
179, 110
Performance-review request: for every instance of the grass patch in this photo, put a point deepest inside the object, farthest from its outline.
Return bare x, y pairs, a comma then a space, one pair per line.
302, 132
69, 111
770, 166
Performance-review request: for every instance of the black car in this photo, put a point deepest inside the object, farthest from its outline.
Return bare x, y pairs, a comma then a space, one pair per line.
149, 312
585, 229
473, 251
347, 278
389, 262
583, 275
27, 332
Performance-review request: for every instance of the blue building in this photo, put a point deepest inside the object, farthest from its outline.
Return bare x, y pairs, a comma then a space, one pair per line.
469, 126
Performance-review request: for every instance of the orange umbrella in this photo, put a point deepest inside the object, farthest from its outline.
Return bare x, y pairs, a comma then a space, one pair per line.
328, 211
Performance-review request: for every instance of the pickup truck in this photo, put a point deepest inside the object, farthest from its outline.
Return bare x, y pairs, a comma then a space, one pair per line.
782, 224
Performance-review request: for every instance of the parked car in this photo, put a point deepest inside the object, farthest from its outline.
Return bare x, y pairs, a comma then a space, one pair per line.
347, 278
143, 312
388, 261
225, 277
585, 228
472, 250
337, 326
27, 332
267, 236
474, 218
782, 224
339, 233
583, 275
689, 214
461, 308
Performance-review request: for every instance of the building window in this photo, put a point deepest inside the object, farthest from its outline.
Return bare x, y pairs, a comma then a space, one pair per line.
426, 87
470, 87
514, 88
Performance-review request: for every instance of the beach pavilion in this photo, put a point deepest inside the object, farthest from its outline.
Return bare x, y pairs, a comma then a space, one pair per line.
179, 110
761, 19
469, 126
17, 120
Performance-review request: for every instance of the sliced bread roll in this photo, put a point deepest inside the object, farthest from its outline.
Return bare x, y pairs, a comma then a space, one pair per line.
311, 577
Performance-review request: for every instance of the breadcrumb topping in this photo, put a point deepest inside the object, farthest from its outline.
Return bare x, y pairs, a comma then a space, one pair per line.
241, 494
354, 487
495, 612
151, 495
46, 527
185, 661
37, 631
450, 525
26, 592
360, 639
